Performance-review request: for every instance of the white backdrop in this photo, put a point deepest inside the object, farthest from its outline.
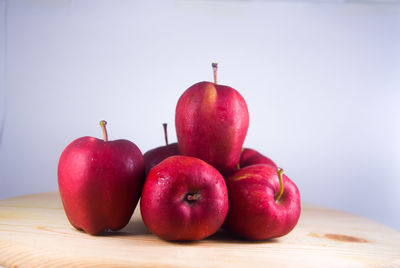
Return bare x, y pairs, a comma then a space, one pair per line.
321, 80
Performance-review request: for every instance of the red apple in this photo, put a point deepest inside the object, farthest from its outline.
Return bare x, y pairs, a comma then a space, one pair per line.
263, 203
156, 155
211, 124
251, 157
184, 198
100, 182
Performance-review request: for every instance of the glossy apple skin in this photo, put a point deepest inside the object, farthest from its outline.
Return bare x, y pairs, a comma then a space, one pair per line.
251, 157
100, 183
253, 212
156, 155
211, 124
165, 210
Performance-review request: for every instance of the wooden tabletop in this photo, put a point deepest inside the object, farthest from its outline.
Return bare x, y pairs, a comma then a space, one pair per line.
34, 231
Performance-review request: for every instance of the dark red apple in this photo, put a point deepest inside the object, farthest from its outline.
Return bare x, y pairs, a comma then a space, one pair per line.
156, 155
251, 157
184, 198
100, 182
211, 124
263, 203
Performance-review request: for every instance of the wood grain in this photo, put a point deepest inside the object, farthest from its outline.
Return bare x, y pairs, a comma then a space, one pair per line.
34, 232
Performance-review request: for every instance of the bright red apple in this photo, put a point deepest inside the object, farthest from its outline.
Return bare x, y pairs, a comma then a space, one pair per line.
263, 203
251, 157
156, 155
184, 198
211, 124
100, 182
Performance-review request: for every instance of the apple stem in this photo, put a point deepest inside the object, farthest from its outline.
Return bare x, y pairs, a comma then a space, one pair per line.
103, 124
193, 197
165, 133
280, 172
215, 69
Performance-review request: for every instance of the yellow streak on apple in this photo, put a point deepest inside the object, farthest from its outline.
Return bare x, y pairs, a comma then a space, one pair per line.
253, 176
209, 99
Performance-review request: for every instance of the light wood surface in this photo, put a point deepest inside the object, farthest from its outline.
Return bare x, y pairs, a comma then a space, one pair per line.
34, 232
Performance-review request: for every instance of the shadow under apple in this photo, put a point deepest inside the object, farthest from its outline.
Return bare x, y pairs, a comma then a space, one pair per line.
224, 236
134, 227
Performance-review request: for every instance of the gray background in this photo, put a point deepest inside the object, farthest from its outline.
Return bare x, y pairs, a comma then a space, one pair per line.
321, 80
